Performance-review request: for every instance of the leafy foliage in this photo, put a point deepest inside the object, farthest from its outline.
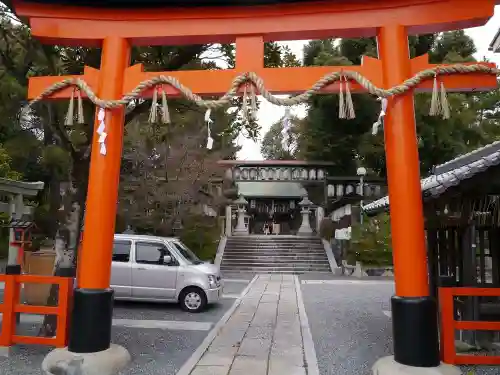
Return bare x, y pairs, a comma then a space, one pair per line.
349, 143
272, 142
167, 174
326, 229
201, 234
371, 242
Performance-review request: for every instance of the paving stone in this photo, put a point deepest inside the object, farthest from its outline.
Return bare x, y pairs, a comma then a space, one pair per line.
255, 347
269, 297
226, 350
210, 370
239, 323
227, 341
264, 328
217, 359
288, 340
259, 332
281, 368
293, 355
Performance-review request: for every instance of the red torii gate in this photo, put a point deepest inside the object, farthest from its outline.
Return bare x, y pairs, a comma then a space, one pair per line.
117, 29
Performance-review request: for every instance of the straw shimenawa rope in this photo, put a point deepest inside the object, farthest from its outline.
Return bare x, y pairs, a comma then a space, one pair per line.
252, 78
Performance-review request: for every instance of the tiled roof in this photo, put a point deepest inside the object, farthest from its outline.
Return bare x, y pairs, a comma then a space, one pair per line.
450, 174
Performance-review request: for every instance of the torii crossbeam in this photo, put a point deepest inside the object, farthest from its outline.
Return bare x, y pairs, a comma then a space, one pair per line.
157, 22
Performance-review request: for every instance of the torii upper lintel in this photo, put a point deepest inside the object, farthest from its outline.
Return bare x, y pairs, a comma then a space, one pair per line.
301, 20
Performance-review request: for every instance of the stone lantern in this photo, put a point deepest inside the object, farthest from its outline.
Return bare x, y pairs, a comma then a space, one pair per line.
240, 229
305, 228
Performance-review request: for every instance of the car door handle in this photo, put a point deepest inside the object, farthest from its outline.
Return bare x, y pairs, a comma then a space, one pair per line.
142, 269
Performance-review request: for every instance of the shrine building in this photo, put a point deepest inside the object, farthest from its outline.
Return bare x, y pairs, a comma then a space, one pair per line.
276, 192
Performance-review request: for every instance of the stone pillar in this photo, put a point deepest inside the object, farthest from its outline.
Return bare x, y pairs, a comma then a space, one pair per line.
305, 226
229, 224
240, 229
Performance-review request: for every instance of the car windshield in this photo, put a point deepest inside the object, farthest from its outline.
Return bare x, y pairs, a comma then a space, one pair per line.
186, 253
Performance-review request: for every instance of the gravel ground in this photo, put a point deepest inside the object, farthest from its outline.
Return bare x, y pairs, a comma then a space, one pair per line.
238, 275
348, 326
349, 329
160, 311
153, 351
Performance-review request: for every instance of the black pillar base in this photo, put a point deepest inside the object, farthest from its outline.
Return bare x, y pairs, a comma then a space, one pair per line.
415, 331
13, 269
91, 320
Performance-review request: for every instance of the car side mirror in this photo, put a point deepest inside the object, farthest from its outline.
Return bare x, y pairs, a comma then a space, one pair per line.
167, 259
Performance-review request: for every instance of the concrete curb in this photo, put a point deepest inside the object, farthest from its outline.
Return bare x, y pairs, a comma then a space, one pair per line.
309, 351
336, 270
220, 251
196, 356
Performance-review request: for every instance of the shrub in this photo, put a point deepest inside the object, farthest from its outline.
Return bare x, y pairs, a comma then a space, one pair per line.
201, 234
371, 242
326, 229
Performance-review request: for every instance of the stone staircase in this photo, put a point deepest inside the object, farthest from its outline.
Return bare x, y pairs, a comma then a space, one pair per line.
274, 254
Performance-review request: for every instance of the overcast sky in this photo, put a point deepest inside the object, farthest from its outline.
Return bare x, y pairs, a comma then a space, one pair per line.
269, 113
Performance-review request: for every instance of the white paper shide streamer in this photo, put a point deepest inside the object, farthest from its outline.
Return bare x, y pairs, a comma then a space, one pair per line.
380, 121
285, 132
101, 131
208, 120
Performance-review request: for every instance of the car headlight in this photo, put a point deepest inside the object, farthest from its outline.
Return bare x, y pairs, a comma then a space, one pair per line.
213, 282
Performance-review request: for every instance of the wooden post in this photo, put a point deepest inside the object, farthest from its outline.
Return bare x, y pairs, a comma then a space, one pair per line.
91, 327
414, 312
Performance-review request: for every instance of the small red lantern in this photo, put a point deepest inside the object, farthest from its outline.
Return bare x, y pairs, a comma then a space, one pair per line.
22, 238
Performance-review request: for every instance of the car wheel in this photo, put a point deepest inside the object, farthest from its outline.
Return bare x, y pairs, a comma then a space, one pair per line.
193, 300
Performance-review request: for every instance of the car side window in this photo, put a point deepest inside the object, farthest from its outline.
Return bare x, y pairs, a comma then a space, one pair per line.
153, 253
121, 251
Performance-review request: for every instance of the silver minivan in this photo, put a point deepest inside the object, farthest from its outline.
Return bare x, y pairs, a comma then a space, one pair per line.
160, 269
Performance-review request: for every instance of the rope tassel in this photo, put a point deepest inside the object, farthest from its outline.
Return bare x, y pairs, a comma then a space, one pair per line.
165, 114
435, 104
342, 109
349, 106
154, 107
71, 110
439, 100
80, 116
445, 105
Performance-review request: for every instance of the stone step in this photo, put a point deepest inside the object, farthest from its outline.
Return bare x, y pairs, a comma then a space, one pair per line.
275, 256
305, 244
275, 239
277, 269
285, 247
271, 249
258, 262
280, 253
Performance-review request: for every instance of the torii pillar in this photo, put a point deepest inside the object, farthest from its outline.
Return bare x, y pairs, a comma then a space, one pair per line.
414, 312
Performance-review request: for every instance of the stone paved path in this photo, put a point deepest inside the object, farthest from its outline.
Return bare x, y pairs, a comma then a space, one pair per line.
263, 336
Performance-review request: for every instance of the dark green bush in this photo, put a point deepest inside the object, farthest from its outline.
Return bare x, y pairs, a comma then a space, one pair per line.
201, 234
326, 229
371, 242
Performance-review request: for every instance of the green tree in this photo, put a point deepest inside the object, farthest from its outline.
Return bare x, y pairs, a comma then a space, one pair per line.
323, 135
348, 143
5, 166
371, 242
272, 147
